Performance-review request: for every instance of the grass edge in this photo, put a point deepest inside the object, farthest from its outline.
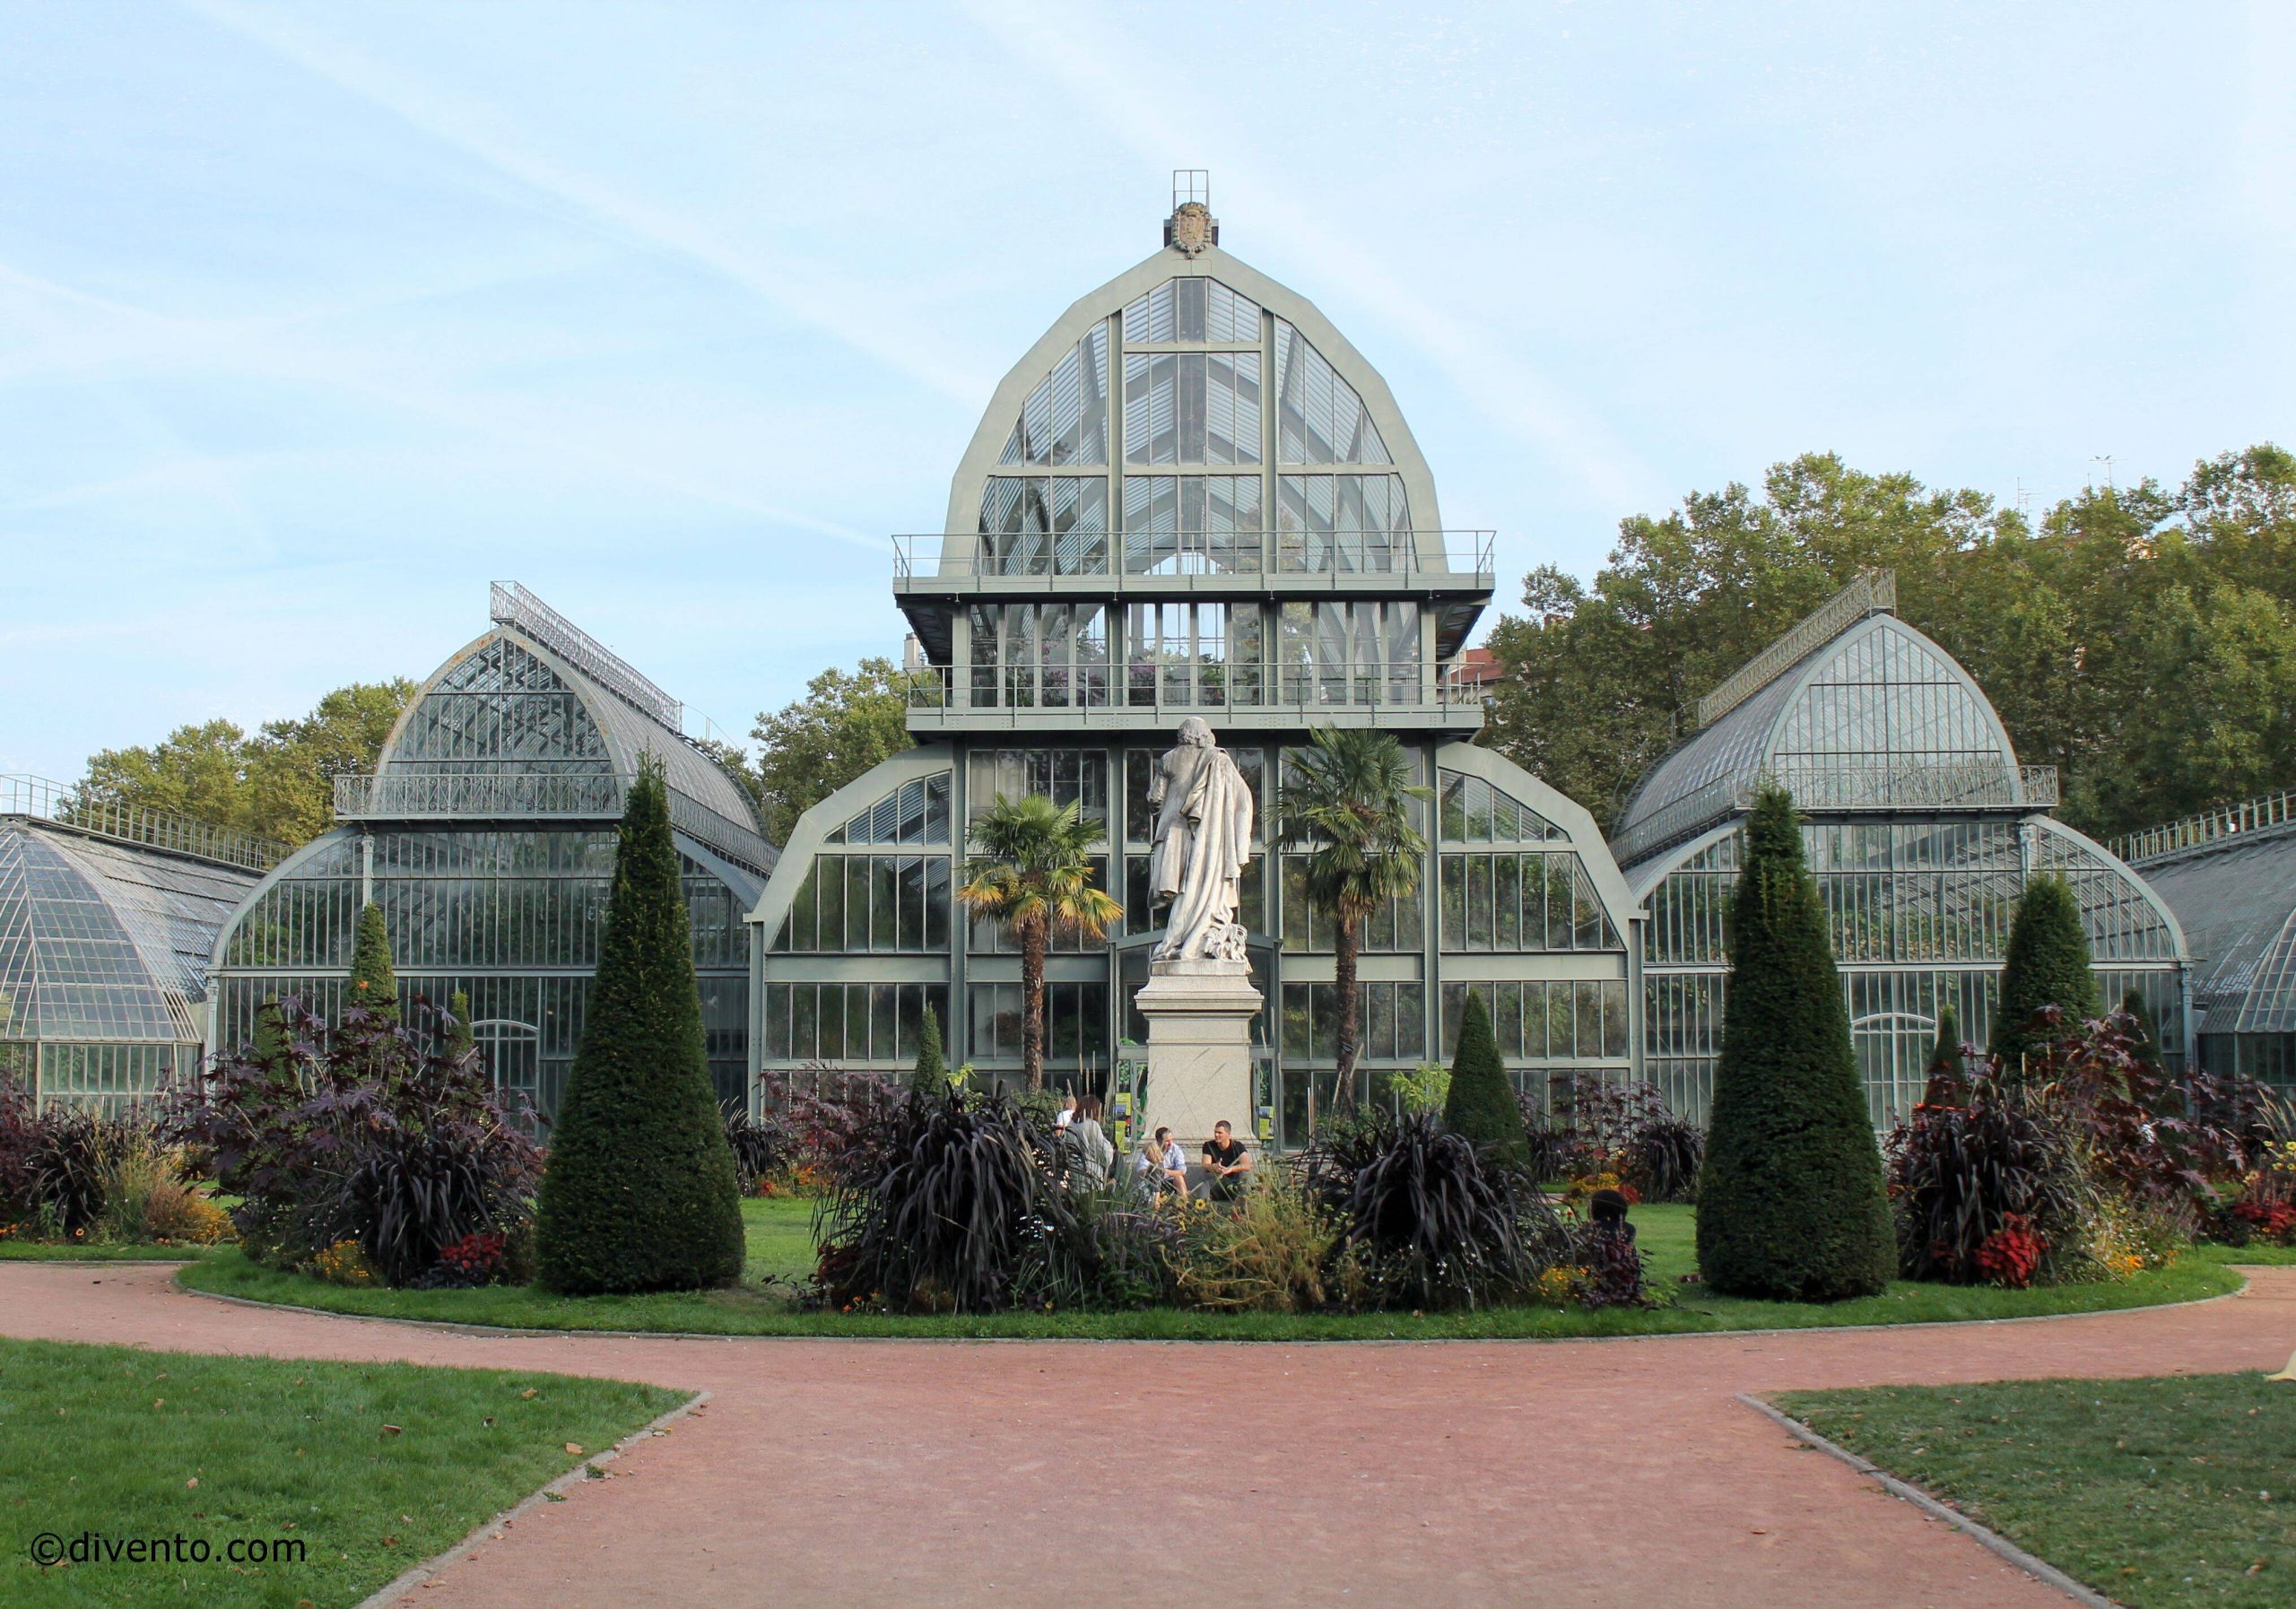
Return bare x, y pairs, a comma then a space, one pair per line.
421, 1574
468, 1327
1936, 1507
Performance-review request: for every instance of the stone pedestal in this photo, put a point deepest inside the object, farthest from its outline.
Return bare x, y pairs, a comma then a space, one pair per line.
1199, 1049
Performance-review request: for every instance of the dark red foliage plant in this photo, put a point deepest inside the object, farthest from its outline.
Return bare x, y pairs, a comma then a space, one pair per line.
2162, 1142
364, 1130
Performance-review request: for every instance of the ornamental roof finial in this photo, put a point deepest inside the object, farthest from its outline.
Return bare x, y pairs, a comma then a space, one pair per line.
1191, 228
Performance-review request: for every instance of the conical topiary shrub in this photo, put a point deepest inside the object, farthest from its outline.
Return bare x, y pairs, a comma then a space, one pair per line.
1482, 1105
373, 984
1790, 1200
2048, 965
461, 1040
639, 1193
1946, 1085
2143, 1034
931, 1078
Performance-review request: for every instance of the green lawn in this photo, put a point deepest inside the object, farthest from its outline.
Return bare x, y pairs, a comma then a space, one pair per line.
43, 1251
780, 1246
121, 1443
2269, 1256
2159, 1493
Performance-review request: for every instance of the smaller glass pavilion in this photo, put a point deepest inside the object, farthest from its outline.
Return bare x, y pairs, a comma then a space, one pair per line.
486, 833
107, 916
2229, 874
1921, 830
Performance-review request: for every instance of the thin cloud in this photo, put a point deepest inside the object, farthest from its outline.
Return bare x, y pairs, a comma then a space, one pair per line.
280, 351
476, 131
1146, 111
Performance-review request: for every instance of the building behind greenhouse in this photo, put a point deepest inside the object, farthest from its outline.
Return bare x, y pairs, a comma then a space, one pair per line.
1193, 496
1921, 831
108, 917
2229, 874
486, 834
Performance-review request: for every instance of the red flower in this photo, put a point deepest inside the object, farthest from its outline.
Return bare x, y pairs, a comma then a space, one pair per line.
2012, 1253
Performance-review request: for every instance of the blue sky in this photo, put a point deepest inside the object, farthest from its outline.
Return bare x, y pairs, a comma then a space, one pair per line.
314, 319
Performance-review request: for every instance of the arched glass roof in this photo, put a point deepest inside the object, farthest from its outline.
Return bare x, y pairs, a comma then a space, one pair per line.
1187, 390
507, 727
2237, 900
104, 940
1876, 716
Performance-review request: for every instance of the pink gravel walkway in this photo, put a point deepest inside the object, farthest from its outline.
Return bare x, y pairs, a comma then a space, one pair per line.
1598, 1473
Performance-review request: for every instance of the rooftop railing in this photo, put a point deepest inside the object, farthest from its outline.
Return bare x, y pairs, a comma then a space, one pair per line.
1406, 555
1873, 592
178, 834
1848, 786
2208, 827
512, 604
399, 795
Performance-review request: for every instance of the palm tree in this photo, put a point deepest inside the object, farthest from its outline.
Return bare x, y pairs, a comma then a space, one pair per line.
1031, 869
1345, 799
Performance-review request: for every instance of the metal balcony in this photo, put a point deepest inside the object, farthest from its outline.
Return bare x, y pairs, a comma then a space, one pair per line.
397, 794
1106, 562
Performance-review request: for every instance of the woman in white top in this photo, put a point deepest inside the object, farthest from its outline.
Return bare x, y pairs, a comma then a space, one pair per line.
1091, 1152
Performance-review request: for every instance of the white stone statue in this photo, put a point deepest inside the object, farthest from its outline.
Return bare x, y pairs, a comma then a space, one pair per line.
1203, 841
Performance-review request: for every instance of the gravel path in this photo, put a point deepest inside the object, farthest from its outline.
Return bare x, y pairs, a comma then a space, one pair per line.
1416, 1474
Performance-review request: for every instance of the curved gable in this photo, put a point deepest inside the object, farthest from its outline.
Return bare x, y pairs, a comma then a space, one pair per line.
1883, 692
1051, 408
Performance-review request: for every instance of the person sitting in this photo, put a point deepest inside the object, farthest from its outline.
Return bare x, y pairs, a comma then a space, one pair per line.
1161, 1165
1066, 1115
1091, 1152
1226, 1163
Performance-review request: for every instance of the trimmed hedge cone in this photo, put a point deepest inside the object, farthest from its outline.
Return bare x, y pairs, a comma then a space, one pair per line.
373, 984
1482, 1105
640, 1192
1791, 1205
2046, 964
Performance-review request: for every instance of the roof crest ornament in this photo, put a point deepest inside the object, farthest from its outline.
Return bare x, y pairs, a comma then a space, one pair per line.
1191, 230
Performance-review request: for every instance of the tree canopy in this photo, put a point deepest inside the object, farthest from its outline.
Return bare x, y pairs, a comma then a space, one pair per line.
846, 722
2142, 639
278, 784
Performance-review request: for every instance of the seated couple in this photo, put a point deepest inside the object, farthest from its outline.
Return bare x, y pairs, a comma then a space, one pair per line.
1162, 1165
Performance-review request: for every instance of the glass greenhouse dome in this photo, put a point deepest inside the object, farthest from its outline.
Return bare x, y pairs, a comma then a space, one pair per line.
108, 917
1922, 829
2229, 874
486, 833
1193, 496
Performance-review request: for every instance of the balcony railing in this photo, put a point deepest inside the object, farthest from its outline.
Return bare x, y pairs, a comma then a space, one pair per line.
63, 804
399, 794
402, 793
2208, 827
1097, 692
972, 558
1848, 786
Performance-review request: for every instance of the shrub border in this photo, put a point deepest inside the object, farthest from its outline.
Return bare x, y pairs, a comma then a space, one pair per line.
458, 1327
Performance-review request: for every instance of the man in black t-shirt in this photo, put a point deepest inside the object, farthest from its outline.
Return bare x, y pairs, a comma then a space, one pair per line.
1226, 1163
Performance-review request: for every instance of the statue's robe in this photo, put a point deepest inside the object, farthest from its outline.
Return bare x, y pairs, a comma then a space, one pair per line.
1202, 842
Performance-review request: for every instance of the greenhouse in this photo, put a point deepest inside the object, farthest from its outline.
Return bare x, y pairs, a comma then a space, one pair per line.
107, 916
1193, 496
1921, 830
486, 835
2229, 874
